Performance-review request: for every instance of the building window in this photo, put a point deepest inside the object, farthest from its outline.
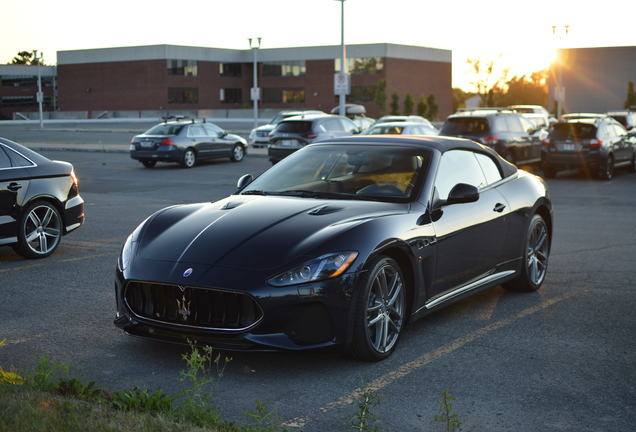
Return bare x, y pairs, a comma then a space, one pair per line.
20, 81
362, 65
231, 95
362, 93
284, 68
286, 96
182, 67
181, 95
18, 100
230, 69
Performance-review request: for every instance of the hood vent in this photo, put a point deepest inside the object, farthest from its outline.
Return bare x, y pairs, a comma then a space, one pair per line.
231, 204
323, 210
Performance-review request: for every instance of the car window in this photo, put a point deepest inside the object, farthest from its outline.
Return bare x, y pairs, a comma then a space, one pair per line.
574, 131
488, 166
212, 129
17, 160
348, 125
466, 126
620, 131
458, 166
386, 130
165, 129
514, 124
296, 127
528, 125
500, 124
333, 124
196, 131
4, 159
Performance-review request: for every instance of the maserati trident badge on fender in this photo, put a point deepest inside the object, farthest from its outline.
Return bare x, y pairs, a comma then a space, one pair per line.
187, 273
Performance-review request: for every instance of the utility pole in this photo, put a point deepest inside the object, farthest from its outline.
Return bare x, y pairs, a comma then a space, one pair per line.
39, 96
255, 92
559, 95
342, 83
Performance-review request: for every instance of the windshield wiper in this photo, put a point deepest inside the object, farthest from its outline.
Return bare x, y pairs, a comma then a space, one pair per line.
315, 194
255, 192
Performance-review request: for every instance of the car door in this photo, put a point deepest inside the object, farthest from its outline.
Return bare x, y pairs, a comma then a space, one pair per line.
469, 237
13, 186
221, 146
623, 148
200, 140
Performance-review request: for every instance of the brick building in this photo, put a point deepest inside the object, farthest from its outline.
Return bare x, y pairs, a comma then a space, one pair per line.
169, 77
19, 86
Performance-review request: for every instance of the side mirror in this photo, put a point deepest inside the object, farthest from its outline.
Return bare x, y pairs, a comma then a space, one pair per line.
462, 193
244, 181
222, 134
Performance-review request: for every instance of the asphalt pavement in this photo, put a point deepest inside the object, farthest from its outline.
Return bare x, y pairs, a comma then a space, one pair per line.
560, 359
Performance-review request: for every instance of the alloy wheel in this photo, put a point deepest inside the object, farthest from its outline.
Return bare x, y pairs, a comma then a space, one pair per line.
42, 229
385, 309
238, 153
537, 252
189, 158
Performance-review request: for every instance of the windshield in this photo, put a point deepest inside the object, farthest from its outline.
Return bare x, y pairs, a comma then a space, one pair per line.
381, 173
573, 131
475, 126
390, 130
165, 129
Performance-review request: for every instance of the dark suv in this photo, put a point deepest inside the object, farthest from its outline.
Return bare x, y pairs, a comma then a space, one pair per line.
597, 144
296, 132
506, 131
186, 142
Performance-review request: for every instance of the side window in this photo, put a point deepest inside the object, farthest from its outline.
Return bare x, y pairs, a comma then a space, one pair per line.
348, 125
212, 130
526, 125
17, 160
620, 131
458, 166
4, 159
500, 124
488, 166
514, 125
333, 124
196, 131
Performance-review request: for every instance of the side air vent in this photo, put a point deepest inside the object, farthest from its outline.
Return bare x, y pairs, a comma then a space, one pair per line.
323, 210
230, 205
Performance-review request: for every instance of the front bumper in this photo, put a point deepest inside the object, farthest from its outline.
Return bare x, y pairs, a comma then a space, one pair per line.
307, 316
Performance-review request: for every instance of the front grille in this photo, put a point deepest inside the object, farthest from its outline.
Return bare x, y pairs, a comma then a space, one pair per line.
262, 133
191, 306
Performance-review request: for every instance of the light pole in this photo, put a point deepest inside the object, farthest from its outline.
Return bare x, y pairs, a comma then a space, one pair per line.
39, 96
255, 93
560, 33
343, 58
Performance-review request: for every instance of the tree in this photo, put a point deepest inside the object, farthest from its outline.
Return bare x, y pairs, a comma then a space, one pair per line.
422, 107
631, 96
408, 104
488, 81
380, 96
395, 104
24, 58
459, 98
433, 108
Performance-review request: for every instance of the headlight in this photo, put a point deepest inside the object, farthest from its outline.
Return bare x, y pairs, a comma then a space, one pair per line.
324, 267
252, 135
128, 250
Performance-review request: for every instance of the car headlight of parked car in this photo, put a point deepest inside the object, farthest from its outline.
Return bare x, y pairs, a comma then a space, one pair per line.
324, 267
252, 135
128, 250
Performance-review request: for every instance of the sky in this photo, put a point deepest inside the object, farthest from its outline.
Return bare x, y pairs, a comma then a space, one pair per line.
517, 34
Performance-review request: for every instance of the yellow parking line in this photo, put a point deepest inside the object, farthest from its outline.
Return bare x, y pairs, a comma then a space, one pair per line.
65, 260
427, 358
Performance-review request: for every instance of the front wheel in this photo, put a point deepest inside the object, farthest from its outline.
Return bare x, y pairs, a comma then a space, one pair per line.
238, 153
379, 310
39, 230
535, 260
189, 158
607, 171
149, 163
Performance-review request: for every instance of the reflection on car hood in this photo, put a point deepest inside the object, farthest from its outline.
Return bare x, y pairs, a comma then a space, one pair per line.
252, 231
266, 127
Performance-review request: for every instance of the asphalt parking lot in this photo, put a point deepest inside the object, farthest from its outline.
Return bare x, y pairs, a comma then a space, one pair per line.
561, 359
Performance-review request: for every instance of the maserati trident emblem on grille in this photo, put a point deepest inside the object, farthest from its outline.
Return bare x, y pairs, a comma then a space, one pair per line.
187, 273
183, 304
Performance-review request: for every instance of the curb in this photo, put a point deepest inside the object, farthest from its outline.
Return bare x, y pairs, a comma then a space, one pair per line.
95, 150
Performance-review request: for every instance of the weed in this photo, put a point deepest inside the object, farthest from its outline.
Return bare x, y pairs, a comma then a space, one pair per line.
43, 377
364, 419
138, 399
448, 417
10, 377
73, 387
264, 419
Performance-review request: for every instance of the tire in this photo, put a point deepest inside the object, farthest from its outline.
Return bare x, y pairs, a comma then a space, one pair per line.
149, 163
39, 230
632, 165
606, 172
238, 153
535, 257
372, 311
189, 158
548, 170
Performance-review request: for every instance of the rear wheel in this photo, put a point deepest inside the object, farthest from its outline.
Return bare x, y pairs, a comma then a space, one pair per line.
535, 260
149, 163
238, 153
379, 309
607, 170
189, 158
39, 230
632, 165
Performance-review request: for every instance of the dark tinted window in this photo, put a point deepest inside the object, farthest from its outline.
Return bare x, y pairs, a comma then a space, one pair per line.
621, 119
573, 131
294, 127
17, 160
465, 126
165, 129
4, 159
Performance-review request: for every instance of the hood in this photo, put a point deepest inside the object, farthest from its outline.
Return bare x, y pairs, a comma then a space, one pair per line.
266, 127
235, 137
255, 232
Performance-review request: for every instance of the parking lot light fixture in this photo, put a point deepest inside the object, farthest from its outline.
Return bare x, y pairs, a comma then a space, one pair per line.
343, 57
255, 44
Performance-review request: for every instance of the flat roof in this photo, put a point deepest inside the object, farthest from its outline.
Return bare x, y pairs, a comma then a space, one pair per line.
27, 70
177, 52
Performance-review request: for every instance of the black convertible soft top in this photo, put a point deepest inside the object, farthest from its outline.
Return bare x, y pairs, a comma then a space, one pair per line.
442, 144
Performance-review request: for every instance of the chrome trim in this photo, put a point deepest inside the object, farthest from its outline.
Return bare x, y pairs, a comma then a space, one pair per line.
72, 227
8, 240
190, 326
33, 164
454, 293
6, 219
73, 202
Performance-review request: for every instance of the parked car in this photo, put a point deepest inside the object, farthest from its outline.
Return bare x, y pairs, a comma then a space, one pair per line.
186, 142
400, 118
357, 114
259, 137
504, 130
341, 244
597, 144
296, 132
626, 118
363, 123
39, 201
401, 128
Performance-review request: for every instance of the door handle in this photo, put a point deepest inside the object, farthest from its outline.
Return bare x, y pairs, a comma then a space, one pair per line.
499, 207
14, 187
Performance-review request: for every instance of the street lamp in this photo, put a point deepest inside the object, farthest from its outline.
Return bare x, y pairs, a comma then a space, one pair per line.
342, 84
255, 92
560, 32
39, 96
